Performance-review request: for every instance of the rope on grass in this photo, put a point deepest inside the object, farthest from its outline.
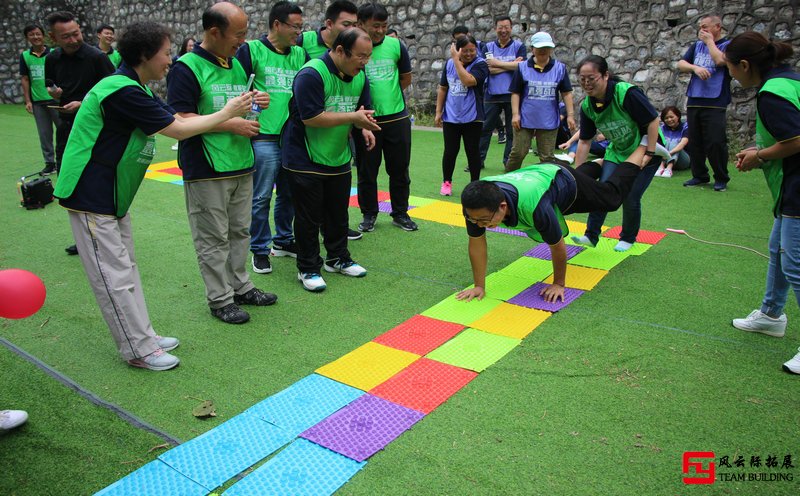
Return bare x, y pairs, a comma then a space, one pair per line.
681, 231
119, 411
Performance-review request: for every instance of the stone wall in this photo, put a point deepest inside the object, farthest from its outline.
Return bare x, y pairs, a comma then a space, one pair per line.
642, 39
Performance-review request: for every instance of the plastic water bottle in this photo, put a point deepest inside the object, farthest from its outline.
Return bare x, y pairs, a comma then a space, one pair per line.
254, 113
412, 119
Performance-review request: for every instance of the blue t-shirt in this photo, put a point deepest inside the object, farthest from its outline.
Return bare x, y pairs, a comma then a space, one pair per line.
308, 102
497, 85
718, 84
674, 136
463, 105
123, 112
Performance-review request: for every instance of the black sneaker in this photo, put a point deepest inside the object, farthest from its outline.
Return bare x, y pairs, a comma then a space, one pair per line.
368, 224
231, 314
49, 168
501, 139
695, 182
71, 250
353, 235
255, 297
287, 250
261, 264
720, 186
404, 222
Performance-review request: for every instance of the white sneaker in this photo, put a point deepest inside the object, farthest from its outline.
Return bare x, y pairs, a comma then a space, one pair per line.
158, 360
563, 156
312, 281
10, 419
667, 173
175, 147
623, 246
793, 365
167, 343
660, 171
582, 240
348, 268
764, 324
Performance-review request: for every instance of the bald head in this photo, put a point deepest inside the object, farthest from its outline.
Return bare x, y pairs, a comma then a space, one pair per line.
225, 27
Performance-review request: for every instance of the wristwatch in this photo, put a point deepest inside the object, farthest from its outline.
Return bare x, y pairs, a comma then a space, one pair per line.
649, 153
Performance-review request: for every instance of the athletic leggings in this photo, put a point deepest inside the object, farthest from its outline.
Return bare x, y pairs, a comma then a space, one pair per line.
471, 134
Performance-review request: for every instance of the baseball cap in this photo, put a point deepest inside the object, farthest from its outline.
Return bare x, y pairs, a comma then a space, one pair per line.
541, 40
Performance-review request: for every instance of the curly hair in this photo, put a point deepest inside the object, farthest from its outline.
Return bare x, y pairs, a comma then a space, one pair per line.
141, 41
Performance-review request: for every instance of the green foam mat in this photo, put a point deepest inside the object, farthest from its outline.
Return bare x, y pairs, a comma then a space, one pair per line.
597, 258
530, 269
461, 312
504, 286
419, 201
474, 350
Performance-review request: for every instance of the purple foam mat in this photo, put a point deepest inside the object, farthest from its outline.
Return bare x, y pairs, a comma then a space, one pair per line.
542, 251
386, 207
532, 299
363, 428
505, 230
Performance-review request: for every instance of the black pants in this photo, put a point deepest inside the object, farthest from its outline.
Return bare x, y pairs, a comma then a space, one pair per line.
320, 203
708, 140
453, 134
393, 144
593, 195
62, 135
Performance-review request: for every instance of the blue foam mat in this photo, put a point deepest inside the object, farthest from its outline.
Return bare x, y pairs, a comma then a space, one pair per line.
305, 403
155, 478
303, 468
214, 457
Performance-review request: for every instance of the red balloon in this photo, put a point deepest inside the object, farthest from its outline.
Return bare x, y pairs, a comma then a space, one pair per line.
22, 293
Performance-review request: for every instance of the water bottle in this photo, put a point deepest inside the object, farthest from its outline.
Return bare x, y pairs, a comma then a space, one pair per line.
412, 119
254, 113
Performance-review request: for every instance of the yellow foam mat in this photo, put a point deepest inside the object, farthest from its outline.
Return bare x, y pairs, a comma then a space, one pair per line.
440, 211
511, 320
579, 277
368, 366
161, 176
163, 165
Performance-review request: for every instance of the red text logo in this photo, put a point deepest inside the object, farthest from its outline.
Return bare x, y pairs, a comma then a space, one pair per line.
693, 471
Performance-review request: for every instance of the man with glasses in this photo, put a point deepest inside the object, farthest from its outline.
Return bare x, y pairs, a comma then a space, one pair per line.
274, 59
332, 94
535, 199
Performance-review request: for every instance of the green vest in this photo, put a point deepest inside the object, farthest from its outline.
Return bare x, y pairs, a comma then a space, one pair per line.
330, 145
274, 74
312, 46
384, 78
788, 89
225, 152
620, 129
531, 183
89, 123
36, 75
115, 57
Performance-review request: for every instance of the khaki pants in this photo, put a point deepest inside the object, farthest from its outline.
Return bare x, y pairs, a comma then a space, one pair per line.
105, 247
219, 217
545, 145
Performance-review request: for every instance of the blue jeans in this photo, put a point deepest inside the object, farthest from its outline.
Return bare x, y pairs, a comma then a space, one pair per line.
783, 270
631, 207
594, 148
268, 173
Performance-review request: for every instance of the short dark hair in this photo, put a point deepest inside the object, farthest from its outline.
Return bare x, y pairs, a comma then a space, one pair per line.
502, 18
30, 27
103, 27
671, 108
466, 40
214, 18
391, 31
61, 16
185, 45
372, 10
336, 8
762, 54
282, 10
141, 41
482, 194
348, 38
460, 30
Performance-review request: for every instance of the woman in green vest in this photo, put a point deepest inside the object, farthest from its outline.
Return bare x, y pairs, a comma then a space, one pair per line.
757, 62
109, 149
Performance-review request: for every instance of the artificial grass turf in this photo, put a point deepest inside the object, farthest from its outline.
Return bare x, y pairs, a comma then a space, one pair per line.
649, 352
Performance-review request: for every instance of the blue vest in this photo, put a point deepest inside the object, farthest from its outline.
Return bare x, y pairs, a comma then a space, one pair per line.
539, 105
460, 104
672, 136
711, 87
498, 83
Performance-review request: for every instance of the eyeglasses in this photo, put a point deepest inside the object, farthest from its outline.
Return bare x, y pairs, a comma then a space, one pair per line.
589, 79
296, 27
477, 221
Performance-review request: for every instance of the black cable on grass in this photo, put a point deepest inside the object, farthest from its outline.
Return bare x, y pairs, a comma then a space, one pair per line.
120, 412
